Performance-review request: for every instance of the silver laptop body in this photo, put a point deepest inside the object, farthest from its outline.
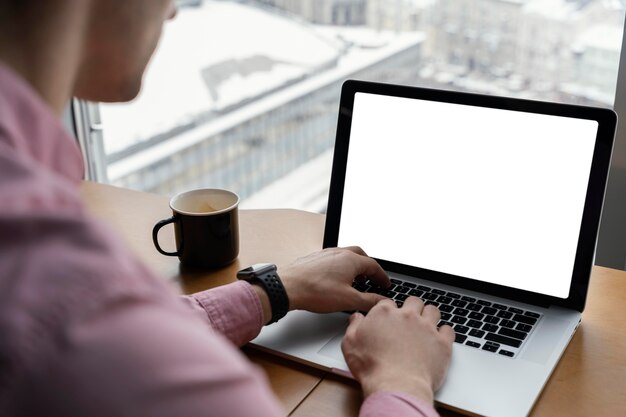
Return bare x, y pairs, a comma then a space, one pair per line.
485, 198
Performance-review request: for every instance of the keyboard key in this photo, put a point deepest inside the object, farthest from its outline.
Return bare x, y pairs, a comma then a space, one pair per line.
468, 299
453, 295
476, 316
446, 308
512, 333
401, 297
359, 286
483, 303
388, 293
499, 306
490, 327
472, 344
461, 312
461, 329
377, 290
458, 319
442, 322
477, 333
475, 323
474, 307
444, 300
504, 314
525, 319
431, 303
423, 288
459, 303
416, 293
446, 316
491, 320
515, 310
507, 323
506, 353
489, 310
531, 314
509, 341
402, 289
437, 291
399, 303
395, 281
409, 284
490, 348
429, 296
523, 327
460, 338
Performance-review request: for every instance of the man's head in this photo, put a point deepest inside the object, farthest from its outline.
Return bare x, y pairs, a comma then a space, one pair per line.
97, 49
120, 38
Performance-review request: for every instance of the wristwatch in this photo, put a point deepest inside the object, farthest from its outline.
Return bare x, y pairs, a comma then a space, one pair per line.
265, 274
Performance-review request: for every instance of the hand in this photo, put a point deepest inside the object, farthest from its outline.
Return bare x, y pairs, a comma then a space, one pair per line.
399, 349
322, 281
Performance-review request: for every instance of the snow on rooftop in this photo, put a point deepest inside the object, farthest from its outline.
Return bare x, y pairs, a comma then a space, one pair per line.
601, 37
354, 60
552, 9
211, 57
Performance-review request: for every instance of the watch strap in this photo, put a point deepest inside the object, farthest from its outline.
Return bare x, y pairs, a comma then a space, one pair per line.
279, 301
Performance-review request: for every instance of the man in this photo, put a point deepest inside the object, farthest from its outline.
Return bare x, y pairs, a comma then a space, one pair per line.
85, 329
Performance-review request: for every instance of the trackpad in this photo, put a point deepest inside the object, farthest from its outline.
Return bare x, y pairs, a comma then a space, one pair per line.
332, 349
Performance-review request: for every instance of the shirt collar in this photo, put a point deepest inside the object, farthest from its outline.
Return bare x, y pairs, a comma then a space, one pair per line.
28, 125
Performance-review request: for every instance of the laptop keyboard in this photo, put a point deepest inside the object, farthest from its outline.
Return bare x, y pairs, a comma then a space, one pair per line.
478, 323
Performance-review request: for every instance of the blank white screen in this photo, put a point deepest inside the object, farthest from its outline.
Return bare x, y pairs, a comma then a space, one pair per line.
492, 195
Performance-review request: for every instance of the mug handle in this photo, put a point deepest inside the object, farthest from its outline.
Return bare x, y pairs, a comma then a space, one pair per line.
155, 237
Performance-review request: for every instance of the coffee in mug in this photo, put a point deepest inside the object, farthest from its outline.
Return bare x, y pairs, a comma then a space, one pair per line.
206, 228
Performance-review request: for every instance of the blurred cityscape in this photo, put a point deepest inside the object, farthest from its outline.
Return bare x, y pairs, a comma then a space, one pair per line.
244, 95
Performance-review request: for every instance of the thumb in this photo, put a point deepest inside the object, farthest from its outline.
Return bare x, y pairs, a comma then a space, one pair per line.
355, 321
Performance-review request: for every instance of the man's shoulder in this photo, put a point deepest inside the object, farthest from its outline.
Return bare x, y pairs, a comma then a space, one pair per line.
25, 180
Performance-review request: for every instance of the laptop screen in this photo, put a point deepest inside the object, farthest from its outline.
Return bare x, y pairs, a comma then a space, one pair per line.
483, 193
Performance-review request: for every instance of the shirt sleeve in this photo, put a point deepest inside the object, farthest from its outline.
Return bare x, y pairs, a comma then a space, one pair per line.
140, 358
234, 310
397, 404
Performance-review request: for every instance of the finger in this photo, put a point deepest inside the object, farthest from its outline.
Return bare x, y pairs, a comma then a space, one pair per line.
361, 278
356, 249
431, 313
386, 303
356, 317
448, 333
355, 321
367, 300
371, 268
414, 303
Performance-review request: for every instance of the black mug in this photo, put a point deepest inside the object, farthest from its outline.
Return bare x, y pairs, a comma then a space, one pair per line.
206, 226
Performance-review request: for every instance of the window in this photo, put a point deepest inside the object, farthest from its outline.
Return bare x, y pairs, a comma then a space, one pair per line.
243, 94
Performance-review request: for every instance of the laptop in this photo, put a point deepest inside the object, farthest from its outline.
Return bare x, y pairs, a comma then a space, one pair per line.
487, 207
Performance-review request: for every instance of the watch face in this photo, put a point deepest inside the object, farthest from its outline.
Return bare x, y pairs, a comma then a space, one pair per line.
256, 269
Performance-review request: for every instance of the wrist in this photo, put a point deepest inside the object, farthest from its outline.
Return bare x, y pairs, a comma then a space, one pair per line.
291, 289
264, 299
265, 276
417, 387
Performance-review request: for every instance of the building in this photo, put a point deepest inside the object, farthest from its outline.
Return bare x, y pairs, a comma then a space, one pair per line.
476, 37
531, 48
324, 12
399, 15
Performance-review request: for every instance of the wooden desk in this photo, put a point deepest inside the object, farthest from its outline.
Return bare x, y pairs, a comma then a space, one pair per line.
589, 380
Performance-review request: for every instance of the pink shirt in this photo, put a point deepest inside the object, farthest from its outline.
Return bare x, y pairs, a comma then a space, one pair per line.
86, 329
